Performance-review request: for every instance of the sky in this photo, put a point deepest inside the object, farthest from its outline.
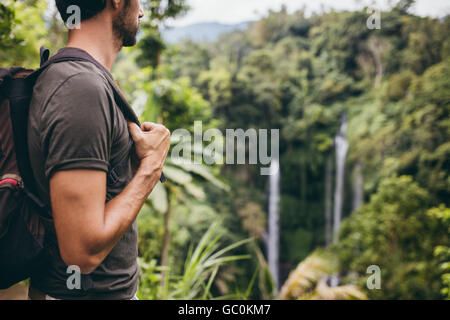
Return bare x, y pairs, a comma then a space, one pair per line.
234, 11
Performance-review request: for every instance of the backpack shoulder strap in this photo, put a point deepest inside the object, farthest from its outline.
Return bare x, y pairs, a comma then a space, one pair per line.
44, 54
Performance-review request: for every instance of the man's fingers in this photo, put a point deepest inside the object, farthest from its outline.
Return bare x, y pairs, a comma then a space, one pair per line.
148, 126
134, 129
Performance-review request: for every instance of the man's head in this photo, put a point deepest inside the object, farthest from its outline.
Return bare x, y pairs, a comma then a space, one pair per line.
124, 14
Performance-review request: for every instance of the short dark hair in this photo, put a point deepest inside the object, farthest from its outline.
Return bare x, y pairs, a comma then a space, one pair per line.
88, 8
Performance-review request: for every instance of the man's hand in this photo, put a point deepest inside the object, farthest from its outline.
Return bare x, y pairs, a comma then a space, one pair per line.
152, 142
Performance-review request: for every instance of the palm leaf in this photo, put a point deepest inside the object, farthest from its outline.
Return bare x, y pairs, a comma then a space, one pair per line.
345, 292
158, 198
304, 277
177, 175
308, 282
202, 171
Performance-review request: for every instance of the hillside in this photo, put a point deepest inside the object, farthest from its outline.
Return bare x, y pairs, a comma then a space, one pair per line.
201, 31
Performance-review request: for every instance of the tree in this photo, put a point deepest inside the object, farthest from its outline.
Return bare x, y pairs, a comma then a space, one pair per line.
158, 12
442, 252
177, 105
6, 26
22, 32
394, 232
404, 6
179, 185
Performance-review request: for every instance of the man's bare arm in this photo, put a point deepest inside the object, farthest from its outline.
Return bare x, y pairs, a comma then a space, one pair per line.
86, 228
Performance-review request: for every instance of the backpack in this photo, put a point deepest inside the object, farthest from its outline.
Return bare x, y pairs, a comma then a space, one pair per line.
24, 218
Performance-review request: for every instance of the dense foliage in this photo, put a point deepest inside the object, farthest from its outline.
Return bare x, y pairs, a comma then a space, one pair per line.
298, 74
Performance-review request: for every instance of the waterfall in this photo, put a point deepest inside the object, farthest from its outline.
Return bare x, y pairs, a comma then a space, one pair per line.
358, 183
328, 199
273, 237
341, 145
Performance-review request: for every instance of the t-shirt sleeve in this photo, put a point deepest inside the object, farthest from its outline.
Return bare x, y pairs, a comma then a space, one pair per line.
76, 125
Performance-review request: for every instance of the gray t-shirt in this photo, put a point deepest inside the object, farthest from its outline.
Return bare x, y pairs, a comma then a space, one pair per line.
74, 123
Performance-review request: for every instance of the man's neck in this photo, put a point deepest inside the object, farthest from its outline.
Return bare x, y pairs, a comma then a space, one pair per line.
102, 46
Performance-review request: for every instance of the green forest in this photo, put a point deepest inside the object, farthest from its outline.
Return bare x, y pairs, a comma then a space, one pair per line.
320, 79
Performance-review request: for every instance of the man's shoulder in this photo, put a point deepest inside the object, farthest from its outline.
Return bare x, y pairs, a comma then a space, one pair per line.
79, 74
69, 68
69, 87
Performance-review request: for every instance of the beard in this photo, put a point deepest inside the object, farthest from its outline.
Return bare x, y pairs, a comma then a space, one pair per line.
125, 29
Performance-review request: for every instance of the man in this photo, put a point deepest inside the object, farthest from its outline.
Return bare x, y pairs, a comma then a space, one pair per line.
75, 132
